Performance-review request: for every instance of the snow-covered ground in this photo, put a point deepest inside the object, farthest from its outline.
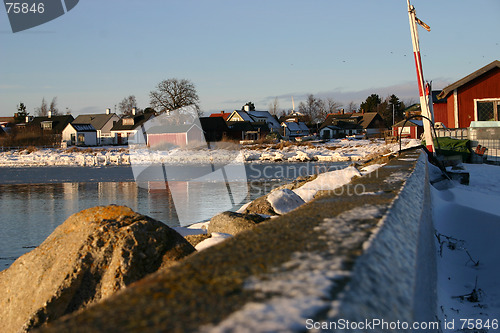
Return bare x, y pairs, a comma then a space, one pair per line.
467, 222
332, 151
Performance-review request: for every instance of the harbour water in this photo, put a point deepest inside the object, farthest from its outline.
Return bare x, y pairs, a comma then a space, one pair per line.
34, 201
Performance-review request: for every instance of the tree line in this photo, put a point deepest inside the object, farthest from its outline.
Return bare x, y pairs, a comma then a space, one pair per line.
169, 95
317, 109
172, 94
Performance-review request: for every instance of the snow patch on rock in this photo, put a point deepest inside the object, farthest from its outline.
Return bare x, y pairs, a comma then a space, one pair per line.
284, 201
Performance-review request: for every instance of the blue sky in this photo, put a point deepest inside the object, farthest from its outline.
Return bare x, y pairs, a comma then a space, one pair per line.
239, 51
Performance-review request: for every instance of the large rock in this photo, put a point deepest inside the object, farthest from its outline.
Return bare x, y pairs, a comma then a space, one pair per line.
90, 256
233, 223
262, 205
284, 201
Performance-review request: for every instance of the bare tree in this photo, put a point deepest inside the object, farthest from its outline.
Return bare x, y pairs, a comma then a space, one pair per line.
274, 107
409, 101
126, 105
43, 109
53, 107
352, 107
315, 108
173, 94
332, 105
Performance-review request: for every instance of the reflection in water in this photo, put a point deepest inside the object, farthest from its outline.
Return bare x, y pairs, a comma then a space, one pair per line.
29, 213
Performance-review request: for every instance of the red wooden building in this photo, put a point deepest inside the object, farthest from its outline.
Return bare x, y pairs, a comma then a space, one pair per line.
475, 97
413, 129
176, 136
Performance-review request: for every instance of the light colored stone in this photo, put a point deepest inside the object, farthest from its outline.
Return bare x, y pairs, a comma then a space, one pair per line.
233, 223
93, 254
284, 201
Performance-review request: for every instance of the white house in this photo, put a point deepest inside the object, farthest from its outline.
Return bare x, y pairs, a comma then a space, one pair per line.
127, 127
330, 132
79, 135
293, 129
255, 117
103, 123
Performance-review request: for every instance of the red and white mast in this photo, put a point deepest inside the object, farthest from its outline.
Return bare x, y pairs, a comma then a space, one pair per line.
424, 89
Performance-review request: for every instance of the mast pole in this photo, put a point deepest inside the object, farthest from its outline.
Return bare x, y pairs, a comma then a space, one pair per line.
424, 89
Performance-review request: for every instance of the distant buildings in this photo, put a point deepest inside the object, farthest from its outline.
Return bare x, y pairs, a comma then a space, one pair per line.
338, 125
128, 126
413, 129
102, 123
79, 135
51, 124
293, 130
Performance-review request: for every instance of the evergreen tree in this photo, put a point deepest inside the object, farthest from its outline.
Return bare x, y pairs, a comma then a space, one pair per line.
21, 113
371, 103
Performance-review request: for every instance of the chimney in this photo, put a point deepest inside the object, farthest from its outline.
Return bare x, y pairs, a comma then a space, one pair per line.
27, 120
246, 108
108, 111
49, 114
133, 111
222, 112
342, 111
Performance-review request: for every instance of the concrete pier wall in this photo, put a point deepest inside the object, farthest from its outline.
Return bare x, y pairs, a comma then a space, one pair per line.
364, 251
395, 278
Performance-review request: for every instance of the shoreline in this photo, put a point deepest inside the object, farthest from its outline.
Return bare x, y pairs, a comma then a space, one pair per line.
332, 151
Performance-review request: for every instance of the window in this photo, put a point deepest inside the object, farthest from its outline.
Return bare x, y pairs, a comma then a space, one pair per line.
488, 110
46, 125
81, 138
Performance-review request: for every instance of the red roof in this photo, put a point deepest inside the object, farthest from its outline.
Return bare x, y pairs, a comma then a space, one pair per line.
224, 115
7, 119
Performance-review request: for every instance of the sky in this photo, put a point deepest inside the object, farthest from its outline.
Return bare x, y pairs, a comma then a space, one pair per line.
239, 51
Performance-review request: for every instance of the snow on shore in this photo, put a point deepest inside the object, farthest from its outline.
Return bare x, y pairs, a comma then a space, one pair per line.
332, 151
467, 222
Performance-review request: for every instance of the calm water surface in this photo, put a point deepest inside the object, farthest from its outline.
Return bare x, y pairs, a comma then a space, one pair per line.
34, 201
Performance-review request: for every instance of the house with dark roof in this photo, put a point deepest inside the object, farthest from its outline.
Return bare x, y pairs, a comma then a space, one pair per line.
79, 135
7, 120
255, 117
247, 131
292, 129
128, 126
372, 124
295, 116
6, 123
476, 97
215, 128
51, 124
102, 123
337, 125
